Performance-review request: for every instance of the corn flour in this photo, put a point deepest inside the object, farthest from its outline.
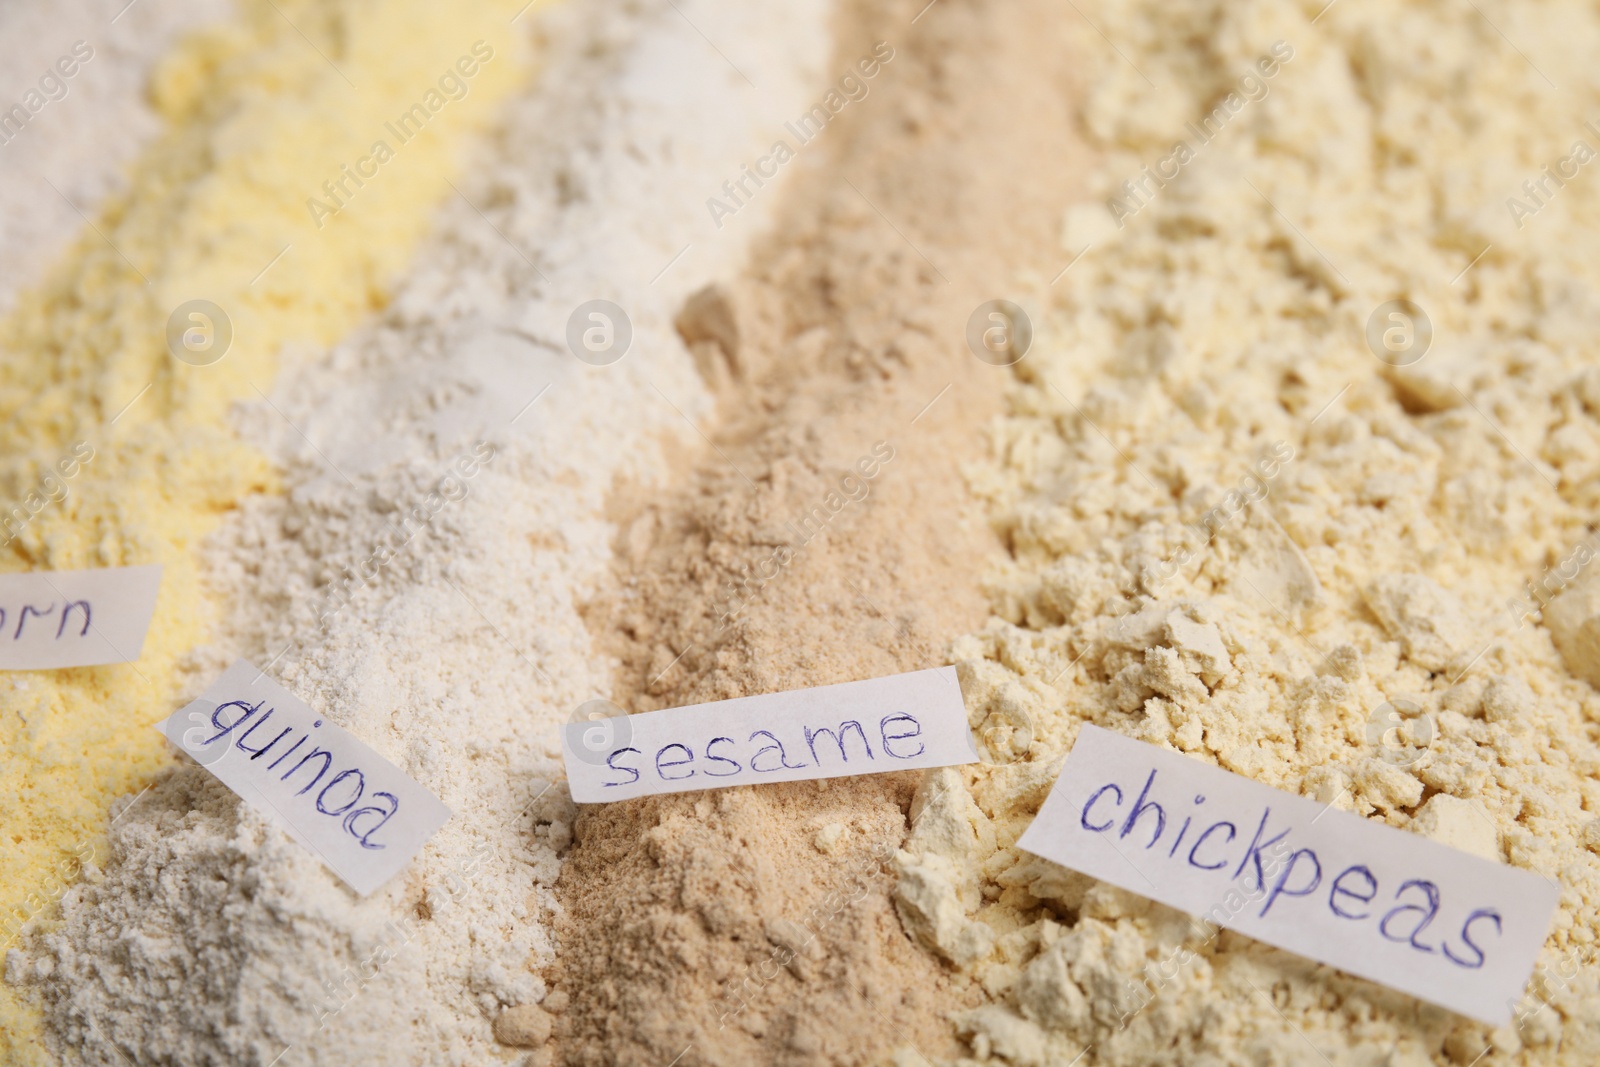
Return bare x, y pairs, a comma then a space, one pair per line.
79, 79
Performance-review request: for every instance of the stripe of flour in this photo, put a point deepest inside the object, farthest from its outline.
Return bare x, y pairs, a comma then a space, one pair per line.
458, 656
259, 113
756, 924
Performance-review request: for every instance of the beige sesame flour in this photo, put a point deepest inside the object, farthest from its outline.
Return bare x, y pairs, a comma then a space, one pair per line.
755, 925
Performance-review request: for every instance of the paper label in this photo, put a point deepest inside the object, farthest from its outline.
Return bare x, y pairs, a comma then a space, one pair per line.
364, 816
883, 724
1385, 904
52, 619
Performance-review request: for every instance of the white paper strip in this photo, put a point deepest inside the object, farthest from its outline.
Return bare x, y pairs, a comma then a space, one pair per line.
897, 723
52, 619
364, 816
1444, 926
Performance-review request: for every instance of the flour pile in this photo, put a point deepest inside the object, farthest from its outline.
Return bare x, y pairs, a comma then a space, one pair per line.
78, 78
1236, 531
1301, 477
210, 937
756, 926
250, 113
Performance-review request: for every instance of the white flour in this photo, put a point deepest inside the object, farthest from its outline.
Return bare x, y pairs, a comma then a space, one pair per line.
211, 937
86, 125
